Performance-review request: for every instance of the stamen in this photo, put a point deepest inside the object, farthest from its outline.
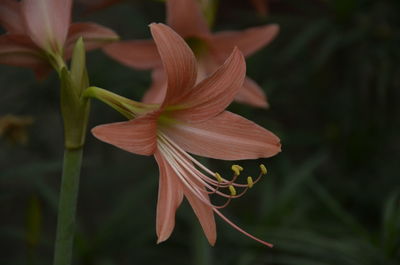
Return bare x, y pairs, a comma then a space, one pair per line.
263, 169
201, 182
236, 169
239, 167
218, 177
201, 178
250, 182
223, 205
232, 190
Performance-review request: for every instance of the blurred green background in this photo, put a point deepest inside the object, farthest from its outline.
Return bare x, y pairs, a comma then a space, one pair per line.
332, 197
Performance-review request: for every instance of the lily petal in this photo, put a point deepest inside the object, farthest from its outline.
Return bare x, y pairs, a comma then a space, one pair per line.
252, 94
156, 93
139, 54
47, 22
227, 136
179, 62
137, 136
248, 41
211, 96
93, 34
186, 18
19, 50
11, 16
170, 196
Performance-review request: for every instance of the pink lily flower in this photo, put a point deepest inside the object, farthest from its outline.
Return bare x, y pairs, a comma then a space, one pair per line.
186, 18
39, 31
191, 118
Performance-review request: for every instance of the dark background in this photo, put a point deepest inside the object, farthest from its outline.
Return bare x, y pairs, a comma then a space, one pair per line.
330, 198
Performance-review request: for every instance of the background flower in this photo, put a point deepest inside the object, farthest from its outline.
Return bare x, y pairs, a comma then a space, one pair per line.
211, 49
39, 32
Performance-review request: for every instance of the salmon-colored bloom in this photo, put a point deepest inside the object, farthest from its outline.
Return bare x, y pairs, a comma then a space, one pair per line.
186, 18
191, 119
39, 31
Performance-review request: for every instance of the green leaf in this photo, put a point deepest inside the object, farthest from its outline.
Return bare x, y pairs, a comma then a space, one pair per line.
391, 224
299, 177
34, 222
331, 204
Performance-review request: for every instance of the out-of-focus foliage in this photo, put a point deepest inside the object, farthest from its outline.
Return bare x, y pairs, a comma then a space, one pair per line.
332, 196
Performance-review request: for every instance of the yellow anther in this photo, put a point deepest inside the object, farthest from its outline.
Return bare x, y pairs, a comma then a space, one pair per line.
239, 167
250, 182
236, 169
263, 169
232, 190
218, 177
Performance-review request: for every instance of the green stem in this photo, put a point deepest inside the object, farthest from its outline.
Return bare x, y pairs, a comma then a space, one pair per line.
67, 206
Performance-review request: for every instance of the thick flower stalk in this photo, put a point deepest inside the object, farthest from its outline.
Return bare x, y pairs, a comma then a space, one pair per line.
211, 50
75, 112
40, 34
191, 118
